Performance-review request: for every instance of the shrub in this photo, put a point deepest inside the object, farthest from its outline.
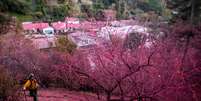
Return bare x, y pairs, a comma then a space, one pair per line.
8, 86
65, 45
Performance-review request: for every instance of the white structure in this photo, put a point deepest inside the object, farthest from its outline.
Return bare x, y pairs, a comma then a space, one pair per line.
49, 32
122, 32
82, 39
116, 24
59, 27
70, 20
44, 42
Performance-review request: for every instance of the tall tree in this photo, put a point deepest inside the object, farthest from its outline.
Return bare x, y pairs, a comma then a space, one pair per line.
18, 6
186, 9
8, 7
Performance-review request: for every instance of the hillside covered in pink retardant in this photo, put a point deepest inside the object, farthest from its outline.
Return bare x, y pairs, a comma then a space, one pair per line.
100, 50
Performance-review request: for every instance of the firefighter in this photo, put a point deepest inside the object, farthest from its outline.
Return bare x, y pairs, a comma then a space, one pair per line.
31, 85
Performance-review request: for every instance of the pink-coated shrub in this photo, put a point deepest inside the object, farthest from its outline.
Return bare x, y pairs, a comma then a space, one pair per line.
8, 86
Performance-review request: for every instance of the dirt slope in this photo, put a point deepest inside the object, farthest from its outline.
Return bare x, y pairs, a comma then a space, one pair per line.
63, 95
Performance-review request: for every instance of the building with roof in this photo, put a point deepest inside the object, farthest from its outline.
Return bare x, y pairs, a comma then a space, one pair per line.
122, 31
31, 28
82, 39
44, 42
72, 20
59, 27
72, 23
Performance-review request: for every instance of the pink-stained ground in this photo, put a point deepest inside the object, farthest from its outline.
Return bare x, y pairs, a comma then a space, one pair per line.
63, 95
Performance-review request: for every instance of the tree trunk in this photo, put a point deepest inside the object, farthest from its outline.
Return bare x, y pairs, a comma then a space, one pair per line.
122, 92
185, 52
108, 96
192, 11
98, 95
139, 99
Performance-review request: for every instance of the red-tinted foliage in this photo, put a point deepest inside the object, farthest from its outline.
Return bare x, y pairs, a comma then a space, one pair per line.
167, 71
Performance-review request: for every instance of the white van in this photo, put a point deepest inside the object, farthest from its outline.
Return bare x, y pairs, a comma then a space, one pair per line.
48, 31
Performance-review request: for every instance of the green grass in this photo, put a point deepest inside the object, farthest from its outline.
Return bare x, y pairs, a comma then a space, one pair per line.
22, 18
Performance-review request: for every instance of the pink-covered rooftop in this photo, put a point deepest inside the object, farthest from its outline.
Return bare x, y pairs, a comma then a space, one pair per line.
31, 26
59, 25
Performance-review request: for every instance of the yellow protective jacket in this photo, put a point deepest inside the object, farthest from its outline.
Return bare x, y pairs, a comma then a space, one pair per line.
31, 85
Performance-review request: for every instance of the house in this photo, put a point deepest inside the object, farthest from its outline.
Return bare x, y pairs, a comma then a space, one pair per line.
92, 26
60, 27
86, 26
82, 39
44, 42
122, 32
40, 26
121, 23
28, 27
72, 23
72, 27
31, 28
128, 22
72, 20
116, 23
